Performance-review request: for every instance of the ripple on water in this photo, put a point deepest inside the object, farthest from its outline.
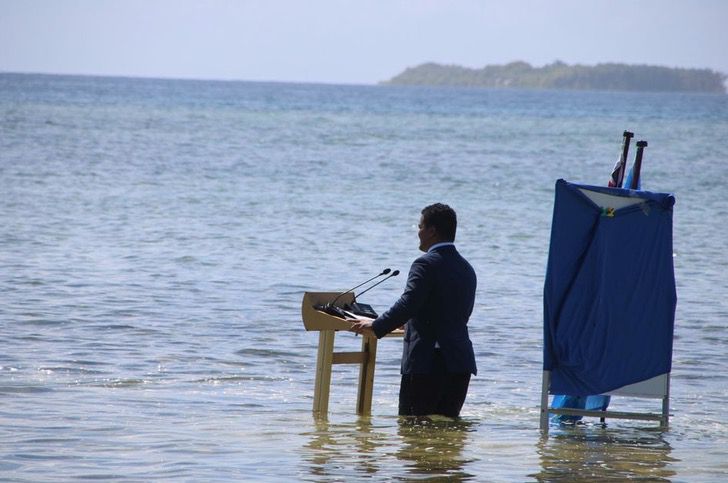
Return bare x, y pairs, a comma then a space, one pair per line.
24, 389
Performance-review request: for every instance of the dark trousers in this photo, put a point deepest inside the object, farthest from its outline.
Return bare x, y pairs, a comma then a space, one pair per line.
439, 392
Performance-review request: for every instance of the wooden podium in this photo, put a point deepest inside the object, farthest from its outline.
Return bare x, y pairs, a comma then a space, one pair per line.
327, 325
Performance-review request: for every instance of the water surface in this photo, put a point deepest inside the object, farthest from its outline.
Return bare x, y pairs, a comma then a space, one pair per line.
158, 236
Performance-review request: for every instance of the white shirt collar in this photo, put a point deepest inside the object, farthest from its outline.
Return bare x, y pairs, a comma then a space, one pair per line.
441, 244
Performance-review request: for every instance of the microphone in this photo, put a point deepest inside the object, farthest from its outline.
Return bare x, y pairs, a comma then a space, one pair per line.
384, 272
394, 274
364, 309
330, 309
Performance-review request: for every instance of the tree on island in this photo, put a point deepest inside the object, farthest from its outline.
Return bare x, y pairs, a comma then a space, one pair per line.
558, 75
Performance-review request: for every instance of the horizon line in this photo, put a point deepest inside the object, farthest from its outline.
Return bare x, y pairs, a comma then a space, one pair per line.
324, 83
183, 78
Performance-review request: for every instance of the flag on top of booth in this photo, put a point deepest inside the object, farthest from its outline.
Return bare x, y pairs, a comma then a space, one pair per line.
615, 181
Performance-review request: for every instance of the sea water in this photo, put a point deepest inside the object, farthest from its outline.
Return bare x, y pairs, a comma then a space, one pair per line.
157, 237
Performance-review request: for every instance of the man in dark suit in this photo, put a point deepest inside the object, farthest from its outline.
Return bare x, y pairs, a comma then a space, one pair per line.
438, 356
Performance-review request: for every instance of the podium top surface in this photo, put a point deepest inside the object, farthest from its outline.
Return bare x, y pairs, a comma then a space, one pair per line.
317, 320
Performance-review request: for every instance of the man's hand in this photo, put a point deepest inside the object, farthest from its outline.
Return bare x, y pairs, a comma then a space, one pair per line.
363, 327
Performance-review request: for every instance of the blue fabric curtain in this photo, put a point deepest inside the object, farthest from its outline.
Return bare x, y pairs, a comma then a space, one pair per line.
609, 295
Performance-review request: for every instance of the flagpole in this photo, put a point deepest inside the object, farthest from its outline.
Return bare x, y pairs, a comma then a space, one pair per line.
627, 137
641, 145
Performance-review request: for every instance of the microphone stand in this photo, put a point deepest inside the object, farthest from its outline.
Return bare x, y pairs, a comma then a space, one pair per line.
331, 309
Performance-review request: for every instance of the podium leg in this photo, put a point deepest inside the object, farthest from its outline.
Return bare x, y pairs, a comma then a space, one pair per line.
366, 376
323, 372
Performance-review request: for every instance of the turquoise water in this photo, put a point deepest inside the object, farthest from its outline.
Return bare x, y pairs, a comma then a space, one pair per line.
158, 236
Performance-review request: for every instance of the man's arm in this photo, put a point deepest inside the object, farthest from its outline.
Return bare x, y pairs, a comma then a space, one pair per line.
414, 296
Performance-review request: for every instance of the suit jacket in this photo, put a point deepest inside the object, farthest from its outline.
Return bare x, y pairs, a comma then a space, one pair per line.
435, 306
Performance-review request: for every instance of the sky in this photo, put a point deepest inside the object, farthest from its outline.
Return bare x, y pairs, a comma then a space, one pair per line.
350, 41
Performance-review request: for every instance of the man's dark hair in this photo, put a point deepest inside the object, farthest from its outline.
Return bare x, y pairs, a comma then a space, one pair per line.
443, 218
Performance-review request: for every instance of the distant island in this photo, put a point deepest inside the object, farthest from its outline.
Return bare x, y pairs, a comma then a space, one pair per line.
613, 77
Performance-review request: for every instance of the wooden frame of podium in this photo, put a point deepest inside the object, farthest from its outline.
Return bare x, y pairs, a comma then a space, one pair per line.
327, 325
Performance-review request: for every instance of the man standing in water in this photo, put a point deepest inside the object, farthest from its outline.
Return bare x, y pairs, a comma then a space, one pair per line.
438, 357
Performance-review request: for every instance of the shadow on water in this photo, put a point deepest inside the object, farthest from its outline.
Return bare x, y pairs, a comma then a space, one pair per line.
595, 453
433, 448
426, 449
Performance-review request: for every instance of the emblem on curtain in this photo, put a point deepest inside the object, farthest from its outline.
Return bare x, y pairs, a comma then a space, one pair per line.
609, 212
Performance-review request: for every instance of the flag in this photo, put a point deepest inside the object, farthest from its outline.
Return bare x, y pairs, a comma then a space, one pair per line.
615, 181
617, 177
633, 181
631, 177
